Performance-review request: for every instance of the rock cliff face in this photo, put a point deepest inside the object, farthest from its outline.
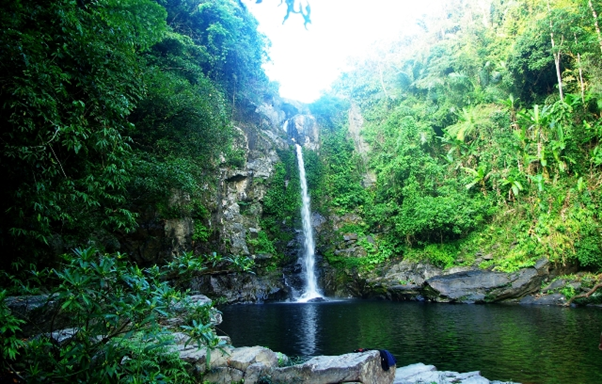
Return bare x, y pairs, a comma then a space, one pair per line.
234, 201
233, 197
158, 239
303, 129
356, 123
240, 191
236, 288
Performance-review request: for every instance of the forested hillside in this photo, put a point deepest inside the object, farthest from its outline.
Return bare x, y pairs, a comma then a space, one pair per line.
115, 116
481, 137
110, 106
143, 148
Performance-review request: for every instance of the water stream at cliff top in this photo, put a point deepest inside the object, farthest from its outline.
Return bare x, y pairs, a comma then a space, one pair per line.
309, 258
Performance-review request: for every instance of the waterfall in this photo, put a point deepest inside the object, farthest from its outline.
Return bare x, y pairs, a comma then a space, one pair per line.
309, 257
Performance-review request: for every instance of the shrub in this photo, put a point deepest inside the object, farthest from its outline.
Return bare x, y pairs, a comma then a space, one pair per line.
117, 317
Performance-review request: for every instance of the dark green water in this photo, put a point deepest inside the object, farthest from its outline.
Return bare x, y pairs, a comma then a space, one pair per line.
527, 344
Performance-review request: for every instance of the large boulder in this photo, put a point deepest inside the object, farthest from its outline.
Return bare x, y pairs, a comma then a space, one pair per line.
237, 288
479, 286
238, 358
195, 302
229, 364
403, 280
42, 313
255, 365
224, 375
362, 367
242, 358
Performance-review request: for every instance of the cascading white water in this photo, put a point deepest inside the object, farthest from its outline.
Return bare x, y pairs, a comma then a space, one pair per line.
309, 257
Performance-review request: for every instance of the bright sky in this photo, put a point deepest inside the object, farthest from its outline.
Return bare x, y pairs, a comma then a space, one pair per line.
305, 62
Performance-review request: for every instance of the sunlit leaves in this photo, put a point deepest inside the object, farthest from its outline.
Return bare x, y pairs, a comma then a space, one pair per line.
471, 121
531, 157
234, 47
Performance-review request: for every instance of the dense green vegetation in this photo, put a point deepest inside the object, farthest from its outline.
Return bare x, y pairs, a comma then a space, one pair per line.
477, 145
121, 321
483, 132
108, 109
282, 201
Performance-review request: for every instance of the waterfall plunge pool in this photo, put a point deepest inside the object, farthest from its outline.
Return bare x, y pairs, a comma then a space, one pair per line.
527, 344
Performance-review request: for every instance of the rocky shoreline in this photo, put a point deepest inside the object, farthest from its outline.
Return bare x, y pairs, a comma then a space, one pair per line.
258, 365
420, 373
543, 284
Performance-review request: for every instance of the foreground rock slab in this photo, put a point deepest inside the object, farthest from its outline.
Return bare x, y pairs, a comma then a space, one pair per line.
352, 367
420, 373
255, 365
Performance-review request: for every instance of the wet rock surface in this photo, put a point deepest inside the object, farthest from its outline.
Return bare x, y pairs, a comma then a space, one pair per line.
478, 286
402, 281
40, 312
408, 280
551, 299
233, 196
260, 365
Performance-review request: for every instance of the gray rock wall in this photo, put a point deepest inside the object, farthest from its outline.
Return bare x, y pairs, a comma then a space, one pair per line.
246, 186
234, 198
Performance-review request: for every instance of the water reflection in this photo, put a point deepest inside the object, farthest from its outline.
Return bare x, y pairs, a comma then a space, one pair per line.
524, 344
308, 328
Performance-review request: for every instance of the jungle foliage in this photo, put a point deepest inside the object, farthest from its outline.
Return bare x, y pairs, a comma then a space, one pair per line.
484, 134
107, 107
282, 204
121, 321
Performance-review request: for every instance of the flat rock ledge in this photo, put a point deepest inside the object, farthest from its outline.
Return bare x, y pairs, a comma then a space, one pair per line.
259, 365
422, 374
464, 284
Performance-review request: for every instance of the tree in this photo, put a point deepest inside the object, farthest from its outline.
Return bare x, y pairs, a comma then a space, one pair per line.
595, 17
299, 7
121, 317
234, 49
556, 52
70, 76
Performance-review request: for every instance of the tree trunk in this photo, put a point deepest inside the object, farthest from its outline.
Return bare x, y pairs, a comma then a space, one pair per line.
581, 82
588, 294
382, 83
591, 6
556, 56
